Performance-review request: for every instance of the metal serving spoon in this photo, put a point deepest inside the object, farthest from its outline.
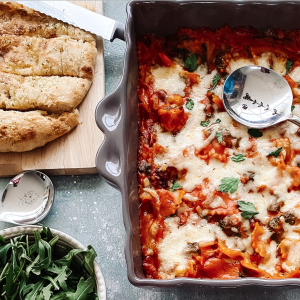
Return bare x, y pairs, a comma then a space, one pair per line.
27, 198
258, 97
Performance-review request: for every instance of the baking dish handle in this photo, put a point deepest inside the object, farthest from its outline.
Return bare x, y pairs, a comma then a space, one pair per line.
108, 116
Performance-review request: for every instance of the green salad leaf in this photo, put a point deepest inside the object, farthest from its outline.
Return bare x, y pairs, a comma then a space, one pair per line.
30, 271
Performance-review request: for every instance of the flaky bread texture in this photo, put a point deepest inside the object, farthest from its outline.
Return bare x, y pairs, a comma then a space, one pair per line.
34, 56
53, 94
15, 19
24, 131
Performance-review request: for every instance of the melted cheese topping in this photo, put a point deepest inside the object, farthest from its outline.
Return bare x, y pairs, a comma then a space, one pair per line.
168, 79
173, 255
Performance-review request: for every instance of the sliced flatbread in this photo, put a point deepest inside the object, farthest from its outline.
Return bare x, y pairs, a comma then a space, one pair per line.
54, 94
24, 131
15, 19
34, 56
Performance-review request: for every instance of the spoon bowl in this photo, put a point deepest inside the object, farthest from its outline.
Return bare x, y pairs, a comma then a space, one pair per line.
27, 198
258, 97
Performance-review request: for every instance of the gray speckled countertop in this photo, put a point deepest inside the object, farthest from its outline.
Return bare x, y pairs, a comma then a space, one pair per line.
89, 210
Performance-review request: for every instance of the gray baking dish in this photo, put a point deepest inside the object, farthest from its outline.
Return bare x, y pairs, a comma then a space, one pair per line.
116, 115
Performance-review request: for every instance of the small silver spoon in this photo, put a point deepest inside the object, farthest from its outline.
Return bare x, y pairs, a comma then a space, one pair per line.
258, 97
27, 198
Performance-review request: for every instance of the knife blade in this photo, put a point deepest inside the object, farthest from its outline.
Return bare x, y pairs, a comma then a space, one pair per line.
79, 17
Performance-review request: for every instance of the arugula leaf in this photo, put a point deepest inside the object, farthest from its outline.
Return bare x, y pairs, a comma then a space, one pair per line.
215, 81
292, 107
83, 289
229, 184
205, 123
289, 64
89, 256
35, 290
2, 240
175, 186
248, 209
219, 137
191, 63
3, 253
66, 260
218, 121
189, 104
276, 152
255, 132
238, 157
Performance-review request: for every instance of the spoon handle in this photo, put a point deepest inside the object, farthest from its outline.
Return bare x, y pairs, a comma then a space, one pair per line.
294, 119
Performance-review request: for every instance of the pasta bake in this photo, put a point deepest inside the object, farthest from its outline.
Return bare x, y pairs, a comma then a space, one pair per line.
217, 199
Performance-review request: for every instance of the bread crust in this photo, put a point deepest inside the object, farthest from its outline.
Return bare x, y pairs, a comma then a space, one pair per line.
15, 19
24, 131
53, 94
46, 69
34, 56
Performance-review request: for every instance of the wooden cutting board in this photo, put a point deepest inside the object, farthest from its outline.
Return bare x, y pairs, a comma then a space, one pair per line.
75, 152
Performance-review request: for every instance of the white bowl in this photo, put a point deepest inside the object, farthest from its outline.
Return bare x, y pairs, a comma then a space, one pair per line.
66, 239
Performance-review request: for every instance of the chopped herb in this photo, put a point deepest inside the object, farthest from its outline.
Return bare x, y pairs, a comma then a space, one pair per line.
189, 104
255, 132
238, 157
191, 63
175, 186
205, 123
30, 271
248, 209
289, 64
218, 121
228, 184
293, 107
219, 137
276, 152
298, 165
215, 81
225, 77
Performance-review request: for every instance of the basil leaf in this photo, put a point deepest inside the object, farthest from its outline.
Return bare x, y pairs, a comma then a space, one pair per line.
215, 81
276, 152
205, 123
248, 209
83, 289
255, 132
219, 137
238, 157
218, 121
175, 186
292, 107
289, 64
229, 184
189, 104
191, 63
